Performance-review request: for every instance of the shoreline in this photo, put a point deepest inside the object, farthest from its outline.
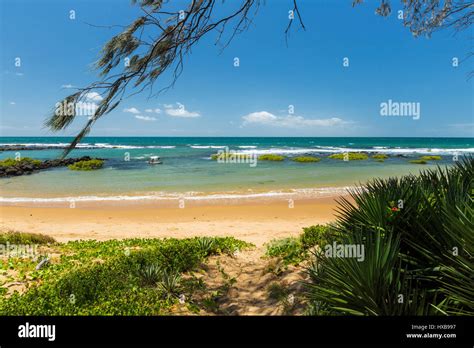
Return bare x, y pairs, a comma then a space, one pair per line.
255, 222
172, 199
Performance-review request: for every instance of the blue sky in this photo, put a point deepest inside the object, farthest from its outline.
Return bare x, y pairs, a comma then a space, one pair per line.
214, 98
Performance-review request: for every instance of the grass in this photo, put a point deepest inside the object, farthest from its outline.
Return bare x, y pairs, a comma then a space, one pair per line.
92, 164
306, 159
270, 157
116, 277
11, 162
351, 156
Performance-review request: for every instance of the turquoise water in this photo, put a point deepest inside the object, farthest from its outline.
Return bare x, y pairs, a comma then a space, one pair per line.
187, 167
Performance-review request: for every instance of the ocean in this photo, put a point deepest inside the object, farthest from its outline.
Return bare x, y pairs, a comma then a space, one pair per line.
188, 170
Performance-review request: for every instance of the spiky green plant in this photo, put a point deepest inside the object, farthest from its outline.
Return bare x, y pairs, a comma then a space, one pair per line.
169, 285
206, 244
375, 286
150, 274
423, 225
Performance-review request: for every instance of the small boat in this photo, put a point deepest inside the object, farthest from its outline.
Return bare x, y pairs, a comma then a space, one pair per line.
154, 160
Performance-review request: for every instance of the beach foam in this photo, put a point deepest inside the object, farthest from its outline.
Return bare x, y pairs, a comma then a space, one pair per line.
252, 149
87, 146
192, 196
207, 147
375, 149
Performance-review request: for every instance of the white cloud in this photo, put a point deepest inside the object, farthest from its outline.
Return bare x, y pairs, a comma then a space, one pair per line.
145, 118
289, 121
12, 103
156, 111
94, 96
67, 86
19, 74
259, 117
180, 111
132, 110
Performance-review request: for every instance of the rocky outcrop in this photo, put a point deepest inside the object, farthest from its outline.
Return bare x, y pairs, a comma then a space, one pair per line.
29, 168
38, 147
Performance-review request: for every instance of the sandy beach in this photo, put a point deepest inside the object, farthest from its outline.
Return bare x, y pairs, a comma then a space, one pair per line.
255, 222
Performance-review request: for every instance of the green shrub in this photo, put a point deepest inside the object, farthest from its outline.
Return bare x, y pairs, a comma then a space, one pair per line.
11, 162
270, 157
108, 278
290, 250
409, 227
92, 164
430, 158
419, 161
14, 237
351, 156
221, 245
306, 159
315, 235
294, 250
380, 156
230, 155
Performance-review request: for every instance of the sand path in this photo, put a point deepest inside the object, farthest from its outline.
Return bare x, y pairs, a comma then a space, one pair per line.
243, 283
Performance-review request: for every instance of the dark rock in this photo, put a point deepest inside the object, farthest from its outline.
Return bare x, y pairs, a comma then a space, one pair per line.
32, 148
11, 171
26, 168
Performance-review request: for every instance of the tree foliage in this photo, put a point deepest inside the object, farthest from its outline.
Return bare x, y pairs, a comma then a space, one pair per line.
423, 17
